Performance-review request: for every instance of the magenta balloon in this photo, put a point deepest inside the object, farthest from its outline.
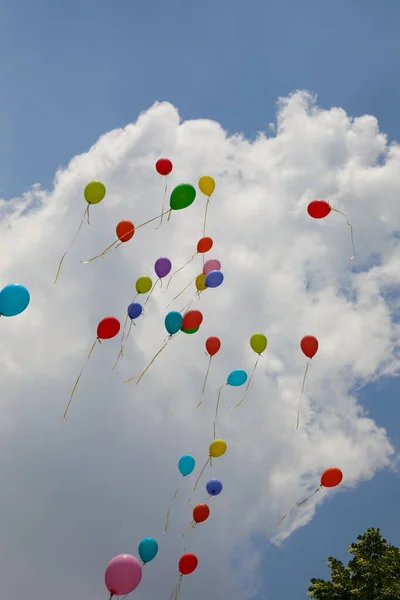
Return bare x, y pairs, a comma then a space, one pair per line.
211, 265
162, 267
123, 574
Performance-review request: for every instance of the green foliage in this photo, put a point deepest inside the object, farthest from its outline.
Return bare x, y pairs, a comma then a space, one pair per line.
372, 574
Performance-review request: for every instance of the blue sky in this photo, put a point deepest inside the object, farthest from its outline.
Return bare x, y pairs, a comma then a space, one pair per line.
73, 70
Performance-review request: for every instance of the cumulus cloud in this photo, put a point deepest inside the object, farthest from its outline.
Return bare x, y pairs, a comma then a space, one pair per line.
76, 493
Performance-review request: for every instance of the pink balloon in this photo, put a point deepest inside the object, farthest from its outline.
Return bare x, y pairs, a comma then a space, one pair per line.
123, 574
211, 265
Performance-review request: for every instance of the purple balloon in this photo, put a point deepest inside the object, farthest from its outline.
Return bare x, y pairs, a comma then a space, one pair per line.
162, 267
123, 574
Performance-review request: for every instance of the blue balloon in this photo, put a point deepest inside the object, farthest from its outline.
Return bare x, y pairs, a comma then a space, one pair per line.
148, 549
173, 322
14, 299
186, 464
214, 279
135, 310
214, 487
237, 378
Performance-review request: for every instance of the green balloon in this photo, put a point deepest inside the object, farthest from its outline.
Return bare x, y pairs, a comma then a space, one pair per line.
189, 331
182, 196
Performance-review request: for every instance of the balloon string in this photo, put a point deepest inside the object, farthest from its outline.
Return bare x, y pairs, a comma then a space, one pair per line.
301, 394
169, 511
180, 268
121, 352
201, 473
177, 589
204, 384
151, 291
300, 504
205, 216
139, 377
217, 408
163, 204
248, 383
169, 214
85, 215
80, 375
184, 290
351, 231
114, 245
187, 306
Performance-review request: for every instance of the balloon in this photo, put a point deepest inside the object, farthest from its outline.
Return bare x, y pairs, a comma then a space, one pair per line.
148, 549
143, 285
186, 464
94, 192
237, 378
204, 245
211, 265
188, 563
214, 487
173, 322
206, 185
200, 282
309, 345
331, 477
213, 344
162, 267
164, 166
214, 279
318, 209
258, 342
192, 319
14, 299
123, 574
135, 310
201, 512
217, 448
108, 328
189, 331
182, 196
125, 231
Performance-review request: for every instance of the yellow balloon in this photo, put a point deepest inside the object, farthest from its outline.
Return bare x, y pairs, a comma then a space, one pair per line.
200, 282
95, 192
217, 448
258, 343
143, 285
207, 185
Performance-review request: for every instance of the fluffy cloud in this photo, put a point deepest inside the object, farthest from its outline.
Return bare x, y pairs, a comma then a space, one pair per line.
76, 493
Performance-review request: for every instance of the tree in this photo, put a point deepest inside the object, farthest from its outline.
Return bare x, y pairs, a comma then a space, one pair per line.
373, 573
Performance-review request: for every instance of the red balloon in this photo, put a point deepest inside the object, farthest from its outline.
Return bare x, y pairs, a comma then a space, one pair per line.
192, 319
164, 166
125, 231
213, 344
318, 209
201, 512
309, 345
204, 245
331, 477
108, 328
188, 563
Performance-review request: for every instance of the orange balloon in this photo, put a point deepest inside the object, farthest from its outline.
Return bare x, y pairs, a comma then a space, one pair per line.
125, 231
213, 344
204, 245
309, 345
331, 477
201, 512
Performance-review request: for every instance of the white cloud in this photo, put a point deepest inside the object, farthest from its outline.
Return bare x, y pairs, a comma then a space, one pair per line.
76, 493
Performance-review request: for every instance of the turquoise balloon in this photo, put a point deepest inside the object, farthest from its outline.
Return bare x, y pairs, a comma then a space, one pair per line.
148, 549
237, 378
14, 299
173, 322
186, 464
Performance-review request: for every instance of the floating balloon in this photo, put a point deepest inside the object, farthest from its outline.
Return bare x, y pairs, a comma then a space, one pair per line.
258, 343
214, 487
213, 344
148, 550
182, 196
201, 512
187, 564
125, 231
214, 279
203, 245
236, 378
200, 282
309, 347
108, 328
143, 284
207, 187
192, 319
186, 464
216, 450
123, 575
319, 209
135, 310
94, 193
14, 299
164, 166
162, 267
211, 265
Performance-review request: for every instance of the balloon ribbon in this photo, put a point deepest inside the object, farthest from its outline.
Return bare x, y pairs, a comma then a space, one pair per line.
86, 215
301, 395
201, 473
205, 215
177, 589
169, 511
204, 384
152, 289
351, 231
217, 407
299, 504
163, 204
248, 383
181, 268
80, 375
139, 377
